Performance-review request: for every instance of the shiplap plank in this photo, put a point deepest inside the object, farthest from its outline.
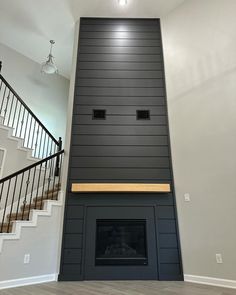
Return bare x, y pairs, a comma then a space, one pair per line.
120, 57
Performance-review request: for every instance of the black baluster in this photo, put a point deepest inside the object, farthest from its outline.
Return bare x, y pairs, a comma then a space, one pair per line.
44, 142
38, 184
50, 176
12, 202
5, 207
0, 201
22, 122
1, 89
40, 142
17, 125
1, 193
32, 142
29, 131
36, 143
5, 110
32, 190
13, 121
54, 175
44, 178
60, 172
48, 138
3, 99
26, 127
19, 197
12, 101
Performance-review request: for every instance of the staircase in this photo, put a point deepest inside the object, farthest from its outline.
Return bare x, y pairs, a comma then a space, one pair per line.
33, 188
22, 210
25, 210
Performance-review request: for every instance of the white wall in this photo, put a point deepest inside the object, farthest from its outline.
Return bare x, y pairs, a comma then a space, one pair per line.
46, 95
200, 61
37, 90
41, 244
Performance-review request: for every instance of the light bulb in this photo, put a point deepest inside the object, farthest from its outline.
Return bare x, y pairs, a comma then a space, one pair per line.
122, 2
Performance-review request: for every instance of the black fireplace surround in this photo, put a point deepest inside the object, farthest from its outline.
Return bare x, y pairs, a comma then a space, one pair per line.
120, 134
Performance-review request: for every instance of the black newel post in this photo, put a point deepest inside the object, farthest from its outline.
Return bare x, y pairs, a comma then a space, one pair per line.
57, 170
0, 66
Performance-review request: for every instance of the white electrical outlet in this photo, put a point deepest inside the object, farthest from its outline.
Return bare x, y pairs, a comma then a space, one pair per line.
187, 197
27, 258
219, 258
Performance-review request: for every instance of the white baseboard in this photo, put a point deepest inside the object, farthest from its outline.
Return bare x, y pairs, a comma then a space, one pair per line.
53, 277
28, 281
210, 281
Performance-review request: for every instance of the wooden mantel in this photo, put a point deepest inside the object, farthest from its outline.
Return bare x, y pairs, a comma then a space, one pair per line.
121, 187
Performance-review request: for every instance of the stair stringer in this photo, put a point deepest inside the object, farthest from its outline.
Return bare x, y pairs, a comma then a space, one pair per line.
18, 225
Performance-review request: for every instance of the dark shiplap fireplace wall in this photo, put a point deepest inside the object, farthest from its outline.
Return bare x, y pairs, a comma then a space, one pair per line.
120, 74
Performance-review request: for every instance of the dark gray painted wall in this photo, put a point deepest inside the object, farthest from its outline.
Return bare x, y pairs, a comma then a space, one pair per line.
120, 69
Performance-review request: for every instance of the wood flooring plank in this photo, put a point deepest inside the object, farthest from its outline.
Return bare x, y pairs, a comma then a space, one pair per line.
119, 288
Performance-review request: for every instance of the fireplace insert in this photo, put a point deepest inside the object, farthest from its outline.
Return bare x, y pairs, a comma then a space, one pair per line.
121, 242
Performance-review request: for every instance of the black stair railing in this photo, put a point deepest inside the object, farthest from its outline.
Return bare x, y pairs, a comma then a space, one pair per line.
28, 188
16, 114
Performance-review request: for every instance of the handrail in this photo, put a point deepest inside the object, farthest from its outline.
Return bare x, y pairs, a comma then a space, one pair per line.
28, 109
31, 166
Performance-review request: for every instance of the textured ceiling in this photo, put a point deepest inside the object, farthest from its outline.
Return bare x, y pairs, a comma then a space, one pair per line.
27, 25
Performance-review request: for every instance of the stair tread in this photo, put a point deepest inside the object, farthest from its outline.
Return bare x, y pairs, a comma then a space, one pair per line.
26, 212
50, 196
33, 205
6, 227
56, 189
5, 224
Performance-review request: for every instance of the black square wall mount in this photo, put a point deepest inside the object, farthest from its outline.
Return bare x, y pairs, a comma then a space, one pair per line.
143, 114
99, 114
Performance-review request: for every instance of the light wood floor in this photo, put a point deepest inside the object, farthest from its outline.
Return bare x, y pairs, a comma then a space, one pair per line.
118, 288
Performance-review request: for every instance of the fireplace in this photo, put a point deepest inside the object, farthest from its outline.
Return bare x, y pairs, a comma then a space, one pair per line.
121, 242
120, 214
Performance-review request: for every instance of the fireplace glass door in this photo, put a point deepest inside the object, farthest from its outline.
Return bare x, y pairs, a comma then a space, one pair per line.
121, 242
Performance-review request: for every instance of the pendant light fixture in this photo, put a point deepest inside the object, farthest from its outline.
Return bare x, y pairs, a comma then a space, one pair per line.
49, 66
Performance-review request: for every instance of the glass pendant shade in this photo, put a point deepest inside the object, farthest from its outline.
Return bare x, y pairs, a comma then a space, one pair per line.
49, 66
